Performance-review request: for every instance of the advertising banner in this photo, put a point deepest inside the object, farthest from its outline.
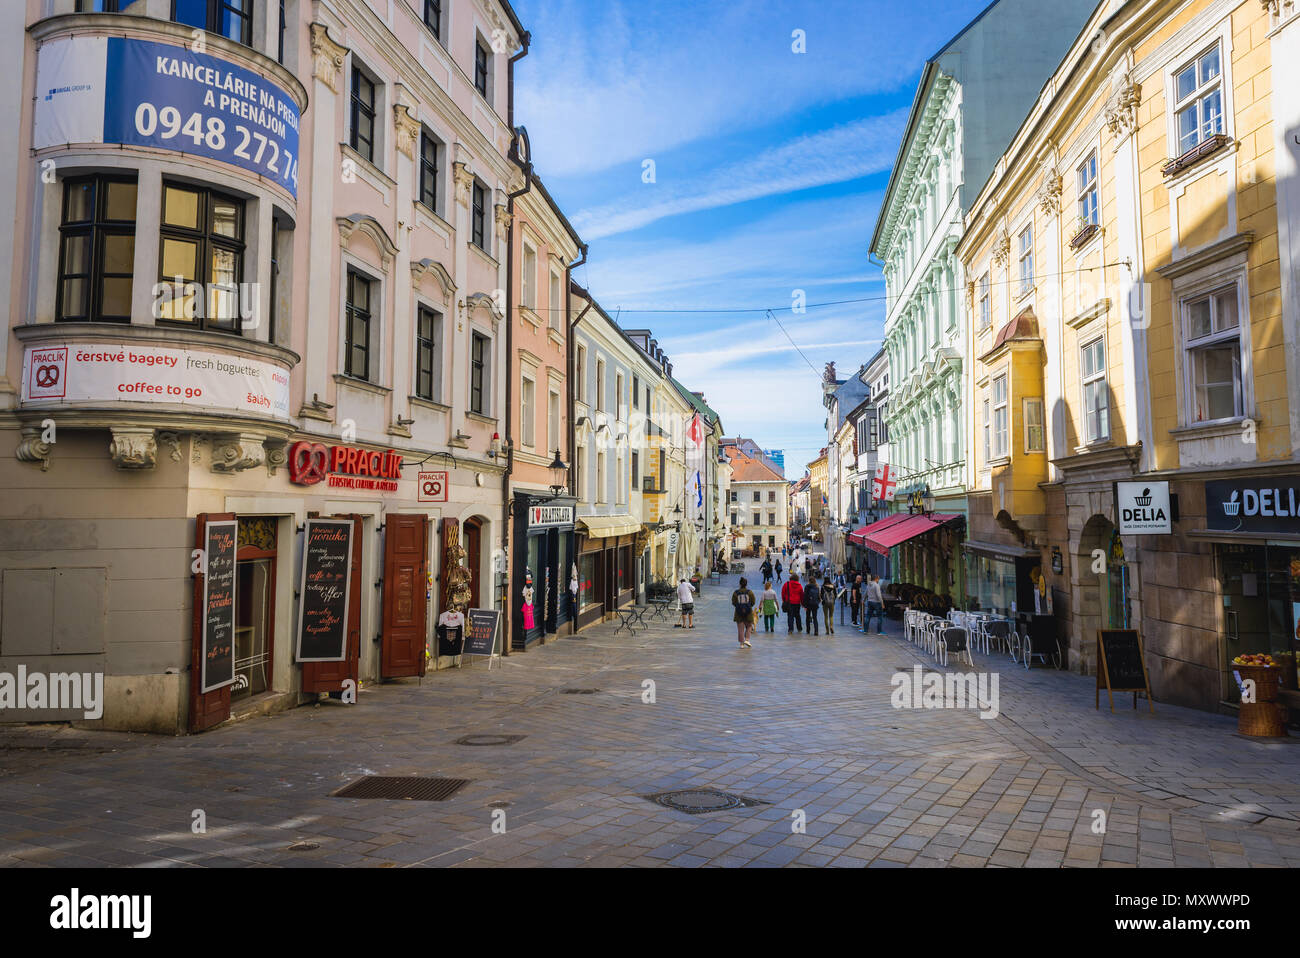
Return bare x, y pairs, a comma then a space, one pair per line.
1143, 508
1267, 504
128, 372
142, 93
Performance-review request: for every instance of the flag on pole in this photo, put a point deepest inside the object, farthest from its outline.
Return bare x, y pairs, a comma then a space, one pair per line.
882, 486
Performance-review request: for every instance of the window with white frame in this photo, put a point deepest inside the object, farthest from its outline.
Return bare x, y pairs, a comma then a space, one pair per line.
600, 384
1026, 259
1198, 100
1086, 178
988, 448
528, 278
601, 495
618, 397
557, 300
1096, 392
1035, 434
580, 374
620, 489
1000, 417
553, 420
1212, 347
579, 474
528, 412
985, 304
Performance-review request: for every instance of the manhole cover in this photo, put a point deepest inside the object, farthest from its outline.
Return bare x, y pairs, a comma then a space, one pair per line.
499, 804
490, 739
696, 801
411, 788
579, 691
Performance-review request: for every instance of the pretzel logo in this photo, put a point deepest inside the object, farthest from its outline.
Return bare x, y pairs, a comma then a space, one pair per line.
47, 376
308, 463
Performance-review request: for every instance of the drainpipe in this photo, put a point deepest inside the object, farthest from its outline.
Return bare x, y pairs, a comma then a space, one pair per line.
506, 503
572, 433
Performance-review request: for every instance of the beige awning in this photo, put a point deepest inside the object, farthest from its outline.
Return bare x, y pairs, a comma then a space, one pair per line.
606, 527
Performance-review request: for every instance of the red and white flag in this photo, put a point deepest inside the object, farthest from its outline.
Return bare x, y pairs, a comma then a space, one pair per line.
882, 486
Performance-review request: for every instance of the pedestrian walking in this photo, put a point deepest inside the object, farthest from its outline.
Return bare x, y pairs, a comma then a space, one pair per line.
768, 604
812, 598
778, 570
855, 600
742, 600
766, 567
828, 604
686, 597
791, 602
875, 606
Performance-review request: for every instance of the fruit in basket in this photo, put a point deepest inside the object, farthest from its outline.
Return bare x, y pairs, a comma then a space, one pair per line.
1256, 658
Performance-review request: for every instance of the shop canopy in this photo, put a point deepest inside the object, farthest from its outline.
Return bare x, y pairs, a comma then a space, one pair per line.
900, 532
608, 527
859, 536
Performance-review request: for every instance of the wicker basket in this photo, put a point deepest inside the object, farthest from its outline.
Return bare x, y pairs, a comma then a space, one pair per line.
1263, 717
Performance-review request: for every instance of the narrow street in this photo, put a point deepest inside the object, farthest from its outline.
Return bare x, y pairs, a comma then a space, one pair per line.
795, 723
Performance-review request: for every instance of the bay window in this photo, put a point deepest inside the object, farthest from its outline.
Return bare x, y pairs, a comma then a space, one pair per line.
96, 249
1000, 417
201, 258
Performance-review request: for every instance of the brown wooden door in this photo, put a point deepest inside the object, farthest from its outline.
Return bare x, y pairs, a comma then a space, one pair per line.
329, 676
206, 708
473, 555
405, 587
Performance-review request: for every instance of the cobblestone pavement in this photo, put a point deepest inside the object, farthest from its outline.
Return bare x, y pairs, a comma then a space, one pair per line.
798, 723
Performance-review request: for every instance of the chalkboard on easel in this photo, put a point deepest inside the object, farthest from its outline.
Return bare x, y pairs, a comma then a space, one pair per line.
323, 596
1121, 666
481, 629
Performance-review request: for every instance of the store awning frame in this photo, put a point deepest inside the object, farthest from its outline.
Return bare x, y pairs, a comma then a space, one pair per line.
608, 527
902, 531
859, 536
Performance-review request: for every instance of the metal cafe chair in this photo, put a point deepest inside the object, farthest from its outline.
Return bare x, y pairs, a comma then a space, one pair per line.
953, 640
999, 633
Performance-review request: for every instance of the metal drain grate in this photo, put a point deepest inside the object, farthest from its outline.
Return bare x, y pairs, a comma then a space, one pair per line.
579, 691
697, 801
490, 739
411, 788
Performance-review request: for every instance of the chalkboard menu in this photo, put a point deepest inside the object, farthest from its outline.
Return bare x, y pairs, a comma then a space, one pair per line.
481, 627
220, 539
1120, 665
323, 598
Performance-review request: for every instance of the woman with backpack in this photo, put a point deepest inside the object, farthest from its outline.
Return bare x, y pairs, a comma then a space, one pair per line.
742, 600
768, 606
828, 604
812, 598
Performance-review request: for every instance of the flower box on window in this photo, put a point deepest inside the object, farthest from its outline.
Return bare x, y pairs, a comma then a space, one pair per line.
1197, 153
1086, 232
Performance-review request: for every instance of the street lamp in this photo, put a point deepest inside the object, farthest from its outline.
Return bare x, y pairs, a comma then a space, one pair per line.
559, 473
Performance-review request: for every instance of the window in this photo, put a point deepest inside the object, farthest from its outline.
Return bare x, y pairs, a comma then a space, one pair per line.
771, 497
758, 497
988, 448
478, 216
999, 417
202, 251
580, 374
771, 518
734, 496
1035, 435
620, 483
579, 476
735, 519
873, 431
1096, 395
363, 114
758, 543
553, 420
96, 249
1026, 259
279, 43
97, 6
277, 230
429, 171
528, 412
478, 374
481, 58
433, 17
771, 540
636, 392
636, 471
232, 19
758, 518
557, 300
1212, 331
1198, 100
618, 396
357, 348
1086, 177
427, 329
985, 309
528, 278
600, 477
600, 384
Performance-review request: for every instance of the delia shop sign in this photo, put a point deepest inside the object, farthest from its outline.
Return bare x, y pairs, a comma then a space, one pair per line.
141, 93
343, 467
1269, 505
1143, 508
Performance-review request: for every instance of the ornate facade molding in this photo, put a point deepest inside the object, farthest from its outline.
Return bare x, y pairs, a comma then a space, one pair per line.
133, 448
32, 447
372, 228
1121, 110
464, 180
407, 129
501, 213
327, 56
1002, 248
431, 267
277, 454
235, 452
1049, 192
173, 440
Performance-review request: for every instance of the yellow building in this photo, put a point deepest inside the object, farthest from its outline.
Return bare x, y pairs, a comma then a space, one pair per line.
1131, 323
818, 491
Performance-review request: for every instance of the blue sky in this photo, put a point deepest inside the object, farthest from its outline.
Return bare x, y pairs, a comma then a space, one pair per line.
769, 168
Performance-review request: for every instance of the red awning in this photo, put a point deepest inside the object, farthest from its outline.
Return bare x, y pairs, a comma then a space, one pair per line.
859, 536
883, 541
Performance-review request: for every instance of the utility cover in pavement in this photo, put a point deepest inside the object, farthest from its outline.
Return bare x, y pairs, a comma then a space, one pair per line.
412, 788
696, 801
490, 739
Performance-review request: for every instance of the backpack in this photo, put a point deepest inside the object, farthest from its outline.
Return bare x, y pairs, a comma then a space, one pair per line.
743, 600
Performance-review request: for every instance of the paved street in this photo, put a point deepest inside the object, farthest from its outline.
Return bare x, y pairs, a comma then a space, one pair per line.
797, 723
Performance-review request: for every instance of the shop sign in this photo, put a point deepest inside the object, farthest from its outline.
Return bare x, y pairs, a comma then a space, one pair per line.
1143, 508
550, 516
165, 96
323, 595
108, 372
1262, 505
217, 667
672, 543
343, 467
432, 486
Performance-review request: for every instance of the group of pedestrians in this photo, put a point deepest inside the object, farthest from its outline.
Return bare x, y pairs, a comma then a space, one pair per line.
867, 591
768, 568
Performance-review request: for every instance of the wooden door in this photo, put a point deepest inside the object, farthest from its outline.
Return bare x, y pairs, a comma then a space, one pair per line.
206, 708
329, 676
405, 587
473, 557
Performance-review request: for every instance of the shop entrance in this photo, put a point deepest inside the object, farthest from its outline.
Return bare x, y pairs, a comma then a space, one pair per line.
330, 676
406, 591
1259, 587
473, 559
254, 607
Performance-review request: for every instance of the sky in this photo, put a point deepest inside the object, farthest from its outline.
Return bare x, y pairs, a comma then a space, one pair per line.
714, 172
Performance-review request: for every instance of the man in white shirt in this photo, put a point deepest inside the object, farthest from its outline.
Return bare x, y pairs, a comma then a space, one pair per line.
686, 596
